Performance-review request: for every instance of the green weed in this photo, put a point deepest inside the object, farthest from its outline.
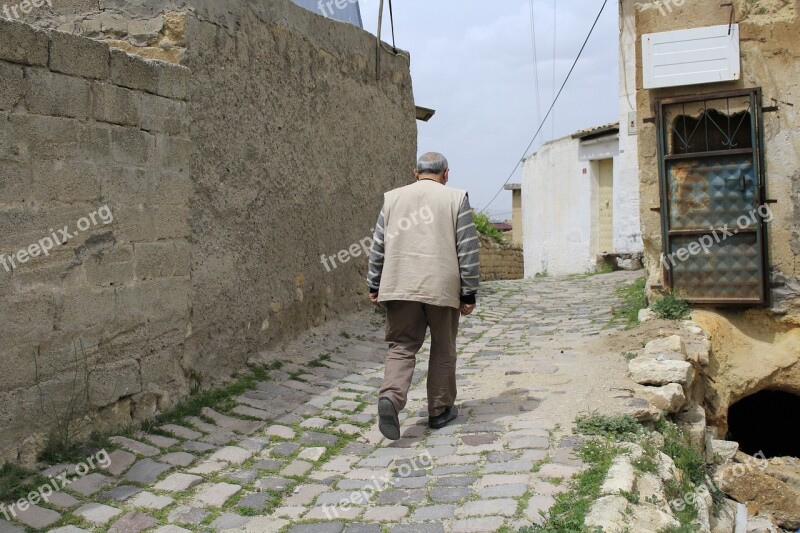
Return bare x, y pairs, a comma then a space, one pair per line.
671, 307
485, 227
17, 482
633, 299
607, 426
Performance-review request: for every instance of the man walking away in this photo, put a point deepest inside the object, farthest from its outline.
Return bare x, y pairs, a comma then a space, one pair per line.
426, 270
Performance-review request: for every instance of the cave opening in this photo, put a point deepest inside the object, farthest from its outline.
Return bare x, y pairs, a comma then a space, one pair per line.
766, 422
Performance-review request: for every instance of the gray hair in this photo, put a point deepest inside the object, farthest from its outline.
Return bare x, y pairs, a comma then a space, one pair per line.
432, 163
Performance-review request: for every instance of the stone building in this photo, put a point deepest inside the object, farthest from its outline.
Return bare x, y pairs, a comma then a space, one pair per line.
222, 145
716, 119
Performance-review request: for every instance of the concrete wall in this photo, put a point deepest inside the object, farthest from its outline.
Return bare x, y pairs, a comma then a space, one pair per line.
228, 180
627, 222
557, 200
769, 49
501, 261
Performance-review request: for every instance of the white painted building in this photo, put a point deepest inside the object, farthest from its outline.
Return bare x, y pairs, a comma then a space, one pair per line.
580, 194
571, 206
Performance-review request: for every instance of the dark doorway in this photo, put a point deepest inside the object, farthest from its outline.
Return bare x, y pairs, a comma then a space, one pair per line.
766, 422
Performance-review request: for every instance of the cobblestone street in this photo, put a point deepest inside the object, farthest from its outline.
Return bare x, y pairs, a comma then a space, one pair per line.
288, 453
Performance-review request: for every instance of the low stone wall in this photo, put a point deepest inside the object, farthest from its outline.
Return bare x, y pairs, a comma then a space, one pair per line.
673, 374
501, 261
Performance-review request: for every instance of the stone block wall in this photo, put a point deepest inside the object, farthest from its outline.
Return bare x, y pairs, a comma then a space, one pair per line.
769, 51
501, 261
229, 176
94, 155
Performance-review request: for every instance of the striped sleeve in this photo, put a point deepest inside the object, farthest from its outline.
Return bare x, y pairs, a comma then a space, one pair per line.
376, 256
468, 253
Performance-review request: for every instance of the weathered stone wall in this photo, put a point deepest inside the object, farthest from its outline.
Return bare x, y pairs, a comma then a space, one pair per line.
769, 50
755, 349
90, 132
279, 154
501, 261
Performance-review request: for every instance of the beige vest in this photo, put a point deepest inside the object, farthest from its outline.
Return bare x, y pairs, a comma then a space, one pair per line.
421, 261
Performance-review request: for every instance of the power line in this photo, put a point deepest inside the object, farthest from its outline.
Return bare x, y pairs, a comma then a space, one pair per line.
535, 63
541, 125
555, 43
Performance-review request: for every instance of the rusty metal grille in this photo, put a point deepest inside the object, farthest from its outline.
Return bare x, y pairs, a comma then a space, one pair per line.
711, 171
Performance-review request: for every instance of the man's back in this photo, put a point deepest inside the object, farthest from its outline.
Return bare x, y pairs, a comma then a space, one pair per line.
421, 261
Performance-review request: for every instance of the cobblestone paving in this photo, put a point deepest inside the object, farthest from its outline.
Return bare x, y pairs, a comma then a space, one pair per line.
293, 449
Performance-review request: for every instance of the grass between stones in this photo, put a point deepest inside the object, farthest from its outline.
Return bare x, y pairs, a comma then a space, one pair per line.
571, 507
633, 299
17, 482
608, 433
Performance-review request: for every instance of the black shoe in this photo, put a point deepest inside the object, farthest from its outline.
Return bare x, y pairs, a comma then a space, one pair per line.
438, 422
388, 422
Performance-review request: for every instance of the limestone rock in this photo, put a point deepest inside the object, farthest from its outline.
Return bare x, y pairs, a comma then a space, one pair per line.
646, 314
720, 451
669, 348
614, 514
648, 371
632, 450
621, 477
699, 351
760, 491
651, 489
695, 330
643, 411
705, 508
725, 520
786, 469
670, 398
608, 513
666, 468
693, 422
761, 524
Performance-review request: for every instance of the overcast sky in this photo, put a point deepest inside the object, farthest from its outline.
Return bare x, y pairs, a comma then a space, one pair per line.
472, 61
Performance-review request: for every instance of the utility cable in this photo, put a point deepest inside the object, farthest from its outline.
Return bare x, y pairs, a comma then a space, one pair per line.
378, 44
555, 43
544, 121
391, 18
535, 63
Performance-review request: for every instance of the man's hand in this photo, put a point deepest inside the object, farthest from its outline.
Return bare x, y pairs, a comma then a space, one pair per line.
373, 297
467, 309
